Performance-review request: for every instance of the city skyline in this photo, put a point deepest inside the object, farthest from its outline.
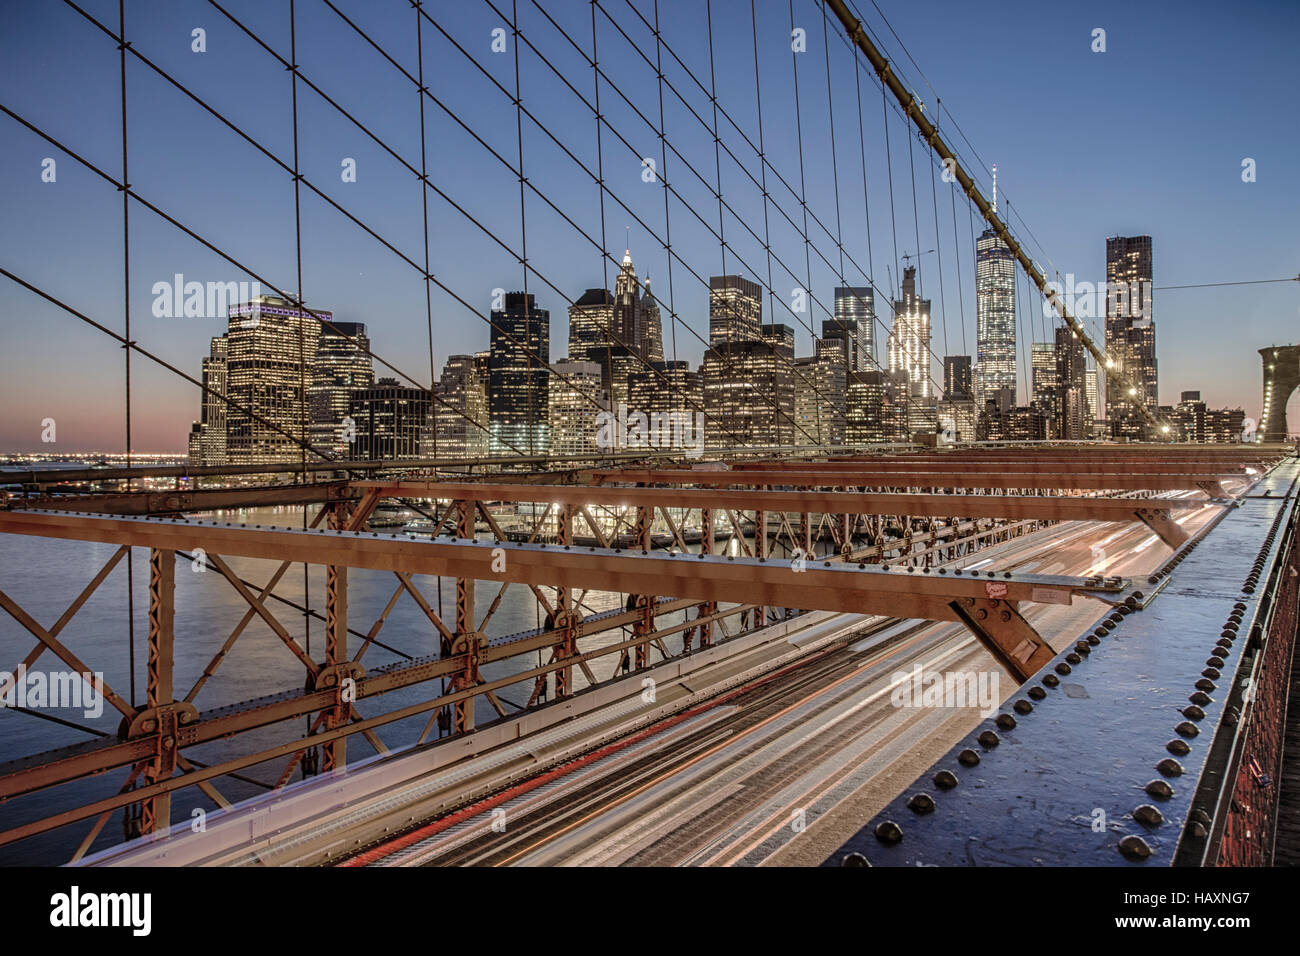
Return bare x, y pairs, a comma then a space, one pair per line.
295, 378
346, 271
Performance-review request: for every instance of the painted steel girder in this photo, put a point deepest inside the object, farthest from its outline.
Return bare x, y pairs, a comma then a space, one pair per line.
1128, 481
173, 502
1043, 508
873, 590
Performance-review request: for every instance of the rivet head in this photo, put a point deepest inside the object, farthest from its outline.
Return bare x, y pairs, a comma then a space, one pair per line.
968, 758
887, 831
1170, 767
945, 780
1192, 712
1187, 729
1037, 693
1062, 668
1148, 816
1210, 672
1200, 698
854, 859
1159, 789
1134, 847
1083, 648
1179, 748
1022, 707
921, 803
1006, 721
988, 740
1094, 640
1205, 684
1214, 662
1051, 680
1074, 658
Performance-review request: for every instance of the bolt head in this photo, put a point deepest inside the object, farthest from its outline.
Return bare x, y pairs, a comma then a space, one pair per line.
1134, 847
1159, 789
887, 831
921, 803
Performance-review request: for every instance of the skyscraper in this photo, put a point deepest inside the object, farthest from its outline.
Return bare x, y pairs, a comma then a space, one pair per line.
270, 352
855, 312
342, 365
1045, 384
1130, 334
957, 384
1072, 418
576, 399
652, 346
995, 317
735, 310
819, 398
391, 421
627, 318
462, 400
664, 387
1190, 417
748, 388
210, 446
518, 377
591, 324
909, 355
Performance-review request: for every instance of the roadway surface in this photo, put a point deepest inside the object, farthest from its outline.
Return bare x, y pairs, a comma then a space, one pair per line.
779, 770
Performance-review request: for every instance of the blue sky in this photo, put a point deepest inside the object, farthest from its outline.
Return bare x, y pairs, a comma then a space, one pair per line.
1147, 137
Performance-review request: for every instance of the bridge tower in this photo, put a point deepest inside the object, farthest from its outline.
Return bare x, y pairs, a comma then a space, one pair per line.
1281, 379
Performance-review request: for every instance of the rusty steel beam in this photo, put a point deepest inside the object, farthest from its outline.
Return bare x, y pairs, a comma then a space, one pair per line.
917, 479
155, 817
174, 502
28, 774
1043, 508
836, 588
198, 776
1003, 630
1088, 466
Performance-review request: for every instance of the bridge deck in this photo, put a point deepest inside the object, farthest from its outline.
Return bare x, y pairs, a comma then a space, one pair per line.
1061, 786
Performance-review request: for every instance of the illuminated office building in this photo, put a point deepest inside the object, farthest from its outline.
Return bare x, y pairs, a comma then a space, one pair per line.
1130, 334
342, 365
462, 401
270, 352
909, 355
995, 317
518, 377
